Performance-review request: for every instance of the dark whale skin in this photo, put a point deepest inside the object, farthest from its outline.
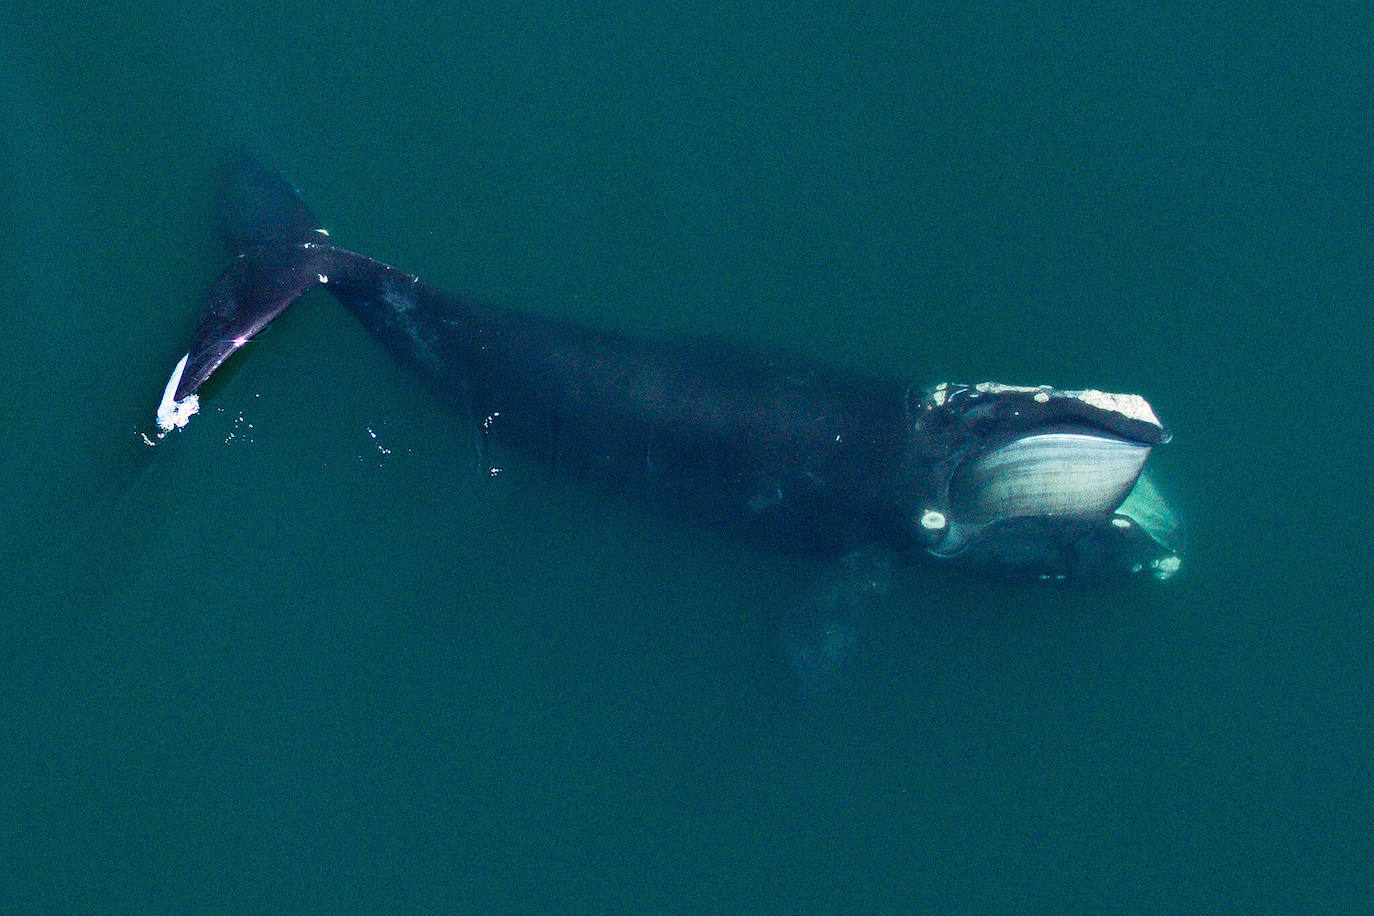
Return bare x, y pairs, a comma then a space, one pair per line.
804, 454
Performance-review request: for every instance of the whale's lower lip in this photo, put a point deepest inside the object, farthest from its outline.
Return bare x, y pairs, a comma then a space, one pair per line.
1059, 502
1067, 472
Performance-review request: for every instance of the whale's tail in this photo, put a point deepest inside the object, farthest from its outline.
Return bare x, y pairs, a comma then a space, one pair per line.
280, 251
257, 207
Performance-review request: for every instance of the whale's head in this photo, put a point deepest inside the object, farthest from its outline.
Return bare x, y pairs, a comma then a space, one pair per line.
1035, 482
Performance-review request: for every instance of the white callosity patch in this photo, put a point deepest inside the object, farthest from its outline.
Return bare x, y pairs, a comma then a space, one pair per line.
1130, 406
932, 520
171, 413
999, 388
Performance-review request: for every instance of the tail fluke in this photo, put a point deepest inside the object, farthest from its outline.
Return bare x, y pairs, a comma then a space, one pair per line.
254, 290
258, 207
281, 252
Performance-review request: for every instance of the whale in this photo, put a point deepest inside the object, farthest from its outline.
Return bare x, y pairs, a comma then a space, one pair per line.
1018, 482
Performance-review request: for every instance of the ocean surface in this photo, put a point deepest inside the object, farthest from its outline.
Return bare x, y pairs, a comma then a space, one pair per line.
307, 654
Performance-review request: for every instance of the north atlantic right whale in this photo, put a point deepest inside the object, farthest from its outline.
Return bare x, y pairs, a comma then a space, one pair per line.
1009, 481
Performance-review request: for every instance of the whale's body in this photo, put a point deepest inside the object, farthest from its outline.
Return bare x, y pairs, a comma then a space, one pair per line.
805, 456
1011, 481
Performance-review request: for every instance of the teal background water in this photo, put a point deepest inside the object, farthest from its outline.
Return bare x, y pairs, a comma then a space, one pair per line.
303, 654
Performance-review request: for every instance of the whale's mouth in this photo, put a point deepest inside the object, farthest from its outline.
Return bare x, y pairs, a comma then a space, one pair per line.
1055, 473
1051, 484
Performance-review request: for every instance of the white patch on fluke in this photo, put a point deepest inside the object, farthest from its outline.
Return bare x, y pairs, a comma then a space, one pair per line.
171, 413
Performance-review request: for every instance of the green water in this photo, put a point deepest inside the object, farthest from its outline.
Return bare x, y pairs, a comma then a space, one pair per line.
303, 654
